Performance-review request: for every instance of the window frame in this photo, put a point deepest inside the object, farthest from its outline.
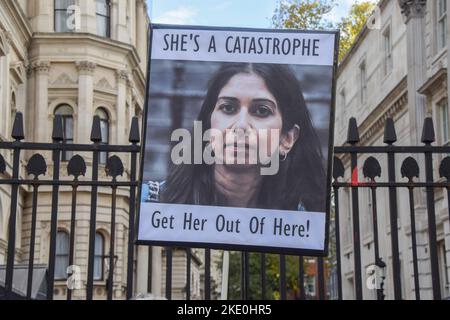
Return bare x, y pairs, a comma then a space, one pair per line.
99, 257
388, 63
107, 18
105, 140
67, 155
62, 255
443, 110
441, 25
363, 81
56, 16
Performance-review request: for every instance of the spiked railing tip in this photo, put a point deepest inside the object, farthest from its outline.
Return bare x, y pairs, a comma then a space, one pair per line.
353, 133
428, 136
96, 132
134, 131
58, 132
17, 131
390, 136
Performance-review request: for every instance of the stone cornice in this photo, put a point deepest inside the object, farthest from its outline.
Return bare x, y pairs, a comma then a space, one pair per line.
85, 67
392, 105
5, 41
21, 27
93, 40
412, 8
434, 82
122, 75
378, 125
41, 66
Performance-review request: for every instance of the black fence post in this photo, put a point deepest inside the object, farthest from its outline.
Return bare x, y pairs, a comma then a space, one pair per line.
428, 138
76, 168
57, 137
96, 138
390, 138
17, 135
353, 139
134, 139
410, 169
338, 172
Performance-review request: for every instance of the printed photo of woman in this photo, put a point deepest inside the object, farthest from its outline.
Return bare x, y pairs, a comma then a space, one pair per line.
243, 100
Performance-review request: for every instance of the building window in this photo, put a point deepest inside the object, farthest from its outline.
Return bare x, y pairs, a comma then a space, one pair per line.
363, 82
103, 14
444, 269
66, 113
98, 256
445, 124
441, 15
62, 15
343, 102
104, 127
387, 47
13, 109
62, 255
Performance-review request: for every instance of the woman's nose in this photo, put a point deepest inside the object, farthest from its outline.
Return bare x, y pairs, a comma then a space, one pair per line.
243, 120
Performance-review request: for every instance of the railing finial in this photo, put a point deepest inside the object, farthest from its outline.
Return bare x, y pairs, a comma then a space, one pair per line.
17, 131
428, 136
353, 133
390, 136
134, 131
58, 132
96, 132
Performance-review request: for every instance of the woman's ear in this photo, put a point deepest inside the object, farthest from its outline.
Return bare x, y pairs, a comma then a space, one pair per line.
289, 139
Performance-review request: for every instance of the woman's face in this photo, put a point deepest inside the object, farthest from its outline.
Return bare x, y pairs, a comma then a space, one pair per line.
247, 118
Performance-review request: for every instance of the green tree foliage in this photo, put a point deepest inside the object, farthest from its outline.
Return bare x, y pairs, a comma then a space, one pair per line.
314, 14
352, 25
272, 276
303, 14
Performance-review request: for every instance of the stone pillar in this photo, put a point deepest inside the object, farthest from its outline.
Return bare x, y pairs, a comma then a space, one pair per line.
42, 126
121, 21
132, 23
88, 16
44, 19
121, 116
142, 270
141, 30
114, 17
31, 111
85, 110
414, 12
157, 271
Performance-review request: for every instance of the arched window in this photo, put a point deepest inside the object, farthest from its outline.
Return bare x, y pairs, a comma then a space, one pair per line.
66, 113
104, 127
103, 13
62, 255
62, 15
98, 256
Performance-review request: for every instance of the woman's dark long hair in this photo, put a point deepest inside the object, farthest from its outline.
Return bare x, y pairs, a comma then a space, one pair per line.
300, 179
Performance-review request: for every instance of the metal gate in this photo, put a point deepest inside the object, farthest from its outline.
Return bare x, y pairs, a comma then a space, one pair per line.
327, 271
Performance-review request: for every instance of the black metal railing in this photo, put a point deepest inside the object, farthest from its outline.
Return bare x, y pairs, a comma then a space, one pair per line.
372, 169
349, 155
76, 167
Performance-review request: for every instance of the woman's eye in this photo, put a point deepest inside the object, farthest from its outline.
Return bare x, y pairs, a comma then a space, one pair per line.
227, 108
262, 111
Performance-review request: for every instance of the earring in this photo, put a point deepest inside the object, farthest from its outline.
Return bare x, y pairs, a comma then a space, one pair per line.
284, 156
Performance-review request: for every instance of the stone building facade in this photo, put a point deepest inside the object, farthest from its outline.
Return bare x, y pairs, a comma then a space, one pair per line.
80, 61
80, 58
397, 68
